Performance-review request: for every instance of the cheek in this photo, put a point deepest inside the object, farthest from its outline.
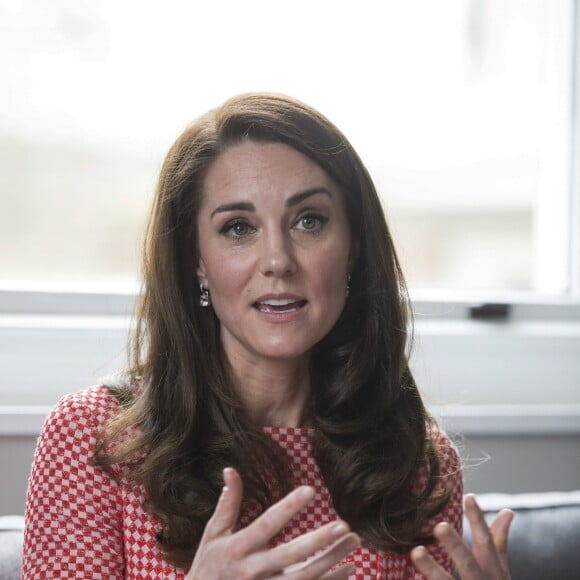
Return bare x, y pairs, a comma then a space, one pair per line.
227, 276
330, 270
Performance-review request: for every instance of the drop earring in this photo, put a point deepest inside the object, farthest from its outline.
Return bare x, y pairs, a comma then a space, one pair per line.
348, 285
204, 299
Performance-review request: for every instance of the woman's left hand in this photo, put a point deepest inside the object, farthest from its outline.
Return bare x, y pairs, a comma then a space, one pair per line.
487, 560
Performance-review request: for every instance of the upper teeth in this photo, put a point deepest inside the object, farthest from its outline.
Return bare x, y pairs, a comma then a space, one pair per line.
278, 302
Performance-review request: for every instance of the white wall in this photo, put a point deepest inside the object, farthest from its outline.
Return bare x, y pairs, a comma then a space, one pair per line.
512, 388
533, 358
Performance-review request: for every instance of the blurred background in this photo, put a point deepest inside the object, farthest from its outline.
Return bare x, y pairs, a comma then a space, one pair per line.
466, 112
459, 108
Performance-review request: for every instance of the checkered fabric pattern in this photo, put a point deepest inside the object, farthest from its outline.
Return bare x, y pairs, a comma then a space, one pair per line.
370, 564
81, 524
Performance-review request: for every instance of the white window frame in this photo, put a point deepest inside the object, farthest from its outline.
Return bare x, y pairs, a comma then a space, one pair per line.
438, 319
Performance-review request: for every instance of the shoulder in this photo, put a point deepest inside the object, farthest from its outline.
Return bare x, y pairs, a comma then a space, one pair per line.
63, 470
74, 510
449, 463
77, 419
63, 458
449, 460
91, 407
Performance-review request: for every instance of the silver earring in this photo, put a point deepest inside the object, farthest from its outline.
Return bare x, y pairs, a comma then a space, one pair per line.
204, 299
348, 285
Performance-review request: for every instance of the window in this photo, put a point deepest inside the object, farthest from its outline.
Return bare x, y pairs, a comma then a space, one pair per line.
462, 111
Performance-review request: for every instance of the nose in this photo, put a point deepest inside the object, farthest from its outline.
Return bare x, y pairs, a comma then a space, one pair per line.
277, 259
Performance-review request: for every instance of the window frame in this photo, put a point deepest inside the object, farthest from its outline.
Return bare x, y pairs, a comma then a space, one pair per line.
439, 312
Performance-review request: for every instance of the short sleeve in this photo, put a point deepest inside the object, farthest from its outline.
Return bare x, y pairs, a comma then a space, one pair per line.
74, 511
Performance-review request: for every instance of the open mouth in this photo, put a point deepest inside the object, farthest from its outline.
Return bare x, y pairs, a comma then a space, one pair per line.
281, 305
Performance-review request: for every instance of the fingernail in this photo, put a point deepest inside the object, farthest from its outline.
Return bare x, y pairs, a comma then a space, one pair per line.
339, 529
441, 530
305, 492
508, 511
471, 497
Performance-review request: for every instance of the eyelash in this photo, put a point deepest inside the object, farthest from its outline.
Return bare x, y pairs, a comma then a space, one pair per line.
313, 216
228, 228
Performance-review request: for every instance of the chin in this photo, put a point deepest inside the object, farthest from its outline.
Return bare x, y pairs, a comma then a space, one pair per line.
283, 351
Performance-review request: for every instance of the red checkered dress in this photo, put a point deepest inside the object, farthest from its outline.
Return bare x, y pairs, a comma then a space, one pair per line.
82, 524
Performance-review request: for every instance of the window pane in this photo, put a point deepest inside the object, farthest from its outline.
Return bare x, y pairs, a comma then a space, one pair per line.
460, 110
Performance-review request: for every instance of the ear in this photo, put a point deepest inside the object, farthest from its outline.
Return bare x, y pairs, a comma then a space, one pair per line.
201, 273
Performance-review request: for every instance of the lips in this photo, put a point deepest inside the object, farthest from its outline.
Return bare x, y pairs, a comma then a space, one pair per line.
279, 304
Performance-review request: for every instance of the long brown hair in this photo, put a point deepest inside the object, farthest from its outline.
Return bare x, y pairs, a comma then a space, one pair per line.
187, 424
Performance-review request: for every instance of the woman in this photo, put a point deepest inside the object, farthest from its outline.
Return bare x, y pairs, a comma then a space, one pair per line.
270, 355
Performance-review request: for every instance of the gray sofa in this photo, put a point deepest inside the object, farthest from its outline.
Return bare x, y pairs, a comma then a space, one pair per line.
11, 528
544, 539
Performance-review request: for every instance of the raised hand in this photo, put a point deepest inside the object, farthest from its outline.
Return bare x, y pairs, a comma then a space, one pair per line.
226, 553
487, 560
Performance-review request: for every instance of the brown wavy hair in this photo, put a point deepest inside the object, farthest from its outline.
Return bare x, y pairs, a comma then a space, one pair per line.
186, 422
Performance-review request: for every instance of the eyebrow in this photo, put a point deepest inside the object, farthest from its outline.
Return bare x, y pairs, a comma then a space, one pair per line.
290, 202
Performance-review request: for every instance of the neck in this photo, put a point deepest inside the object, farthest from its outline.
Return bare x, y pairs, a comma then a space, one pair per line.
273, 392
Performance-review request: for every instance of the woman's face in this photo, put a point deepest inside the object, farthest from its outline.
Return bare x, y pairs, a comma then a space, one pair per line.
275, 250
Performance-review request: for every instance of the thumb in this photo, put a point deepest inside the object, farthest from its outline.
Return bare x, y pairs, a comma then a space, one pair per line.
225, 516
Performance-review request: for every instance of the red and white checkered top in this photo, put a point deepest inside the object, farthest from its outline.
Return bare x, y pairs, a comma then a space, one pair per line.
80, 523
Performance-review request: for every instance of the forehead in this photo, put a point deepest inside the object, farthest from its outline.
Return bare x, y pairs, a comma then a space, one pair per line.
252, 168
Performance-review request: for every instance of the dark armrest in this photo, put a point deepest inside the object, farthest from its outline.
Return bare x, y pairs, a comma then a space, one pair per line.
544, 541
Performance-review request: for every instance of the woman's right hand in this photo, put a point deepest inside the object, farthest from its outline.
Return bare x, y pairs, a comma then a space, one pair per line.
226, 553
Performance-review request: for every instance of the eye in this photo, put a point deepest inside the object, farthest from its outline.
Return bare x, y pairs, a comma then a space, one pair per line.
311, 222
236, 229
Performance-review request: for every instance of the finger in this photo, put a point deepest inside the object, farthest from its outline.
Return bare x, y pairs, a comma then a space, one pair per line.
264, 528
463, 558
321, 563
342, 572
225, 516
499, 530
484, 548
297, 550
425, 563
